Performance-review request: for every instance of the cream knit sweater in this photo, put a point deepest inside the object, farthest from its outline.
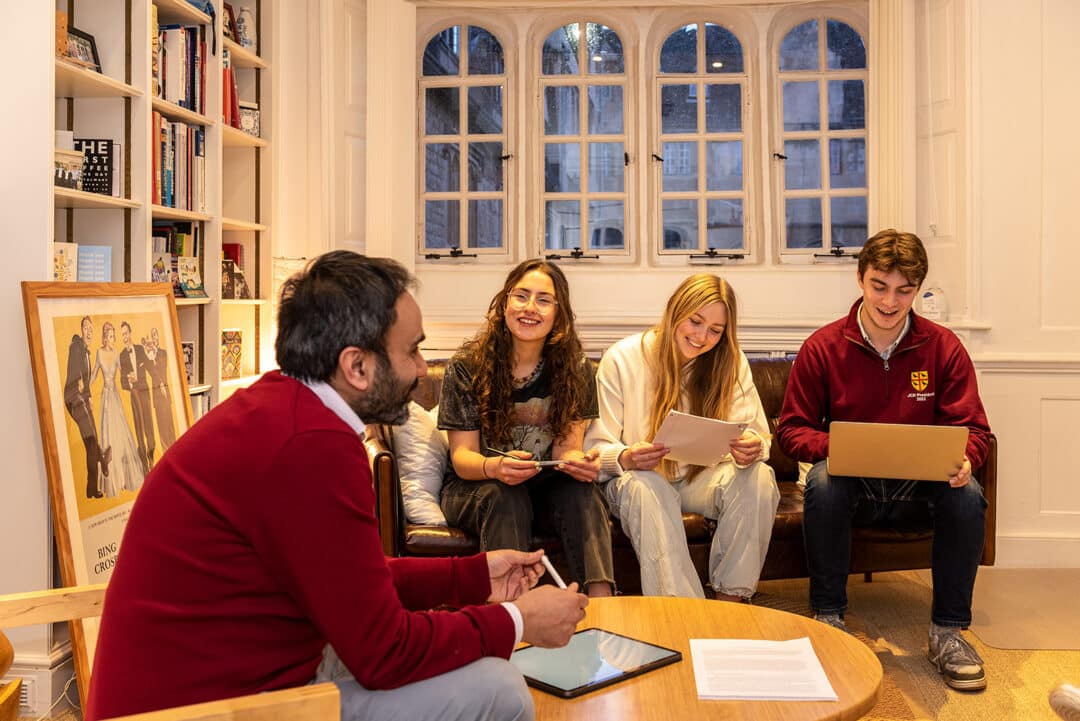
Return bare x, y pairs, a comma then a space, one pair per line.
625, 388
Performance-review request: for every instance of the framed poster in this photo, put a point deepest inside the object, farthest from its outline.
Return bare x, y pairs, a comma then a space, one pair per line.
111, 396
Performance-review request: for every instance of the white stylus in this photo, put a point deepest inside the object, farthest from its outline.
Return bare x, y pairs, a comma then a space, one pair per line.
551, 569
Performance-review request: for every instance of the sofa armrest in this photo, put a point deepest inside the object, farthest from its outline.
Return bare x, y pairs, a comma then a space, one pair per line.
987, 476
384, 473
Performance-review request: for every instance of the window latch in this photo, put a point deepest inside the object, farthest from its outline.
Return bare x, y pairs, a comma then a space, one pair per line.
506, 157
836, 251
455, 252
714, 254
576, 254
626, 158
657, 157
779, 156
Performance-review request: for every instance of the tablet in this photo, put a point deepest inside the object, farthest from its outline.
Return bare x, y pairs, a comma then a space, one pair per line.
593, 659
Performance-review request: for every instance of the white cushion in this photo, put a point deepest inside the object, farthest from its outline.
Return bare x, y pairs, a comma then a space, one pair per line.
422, 451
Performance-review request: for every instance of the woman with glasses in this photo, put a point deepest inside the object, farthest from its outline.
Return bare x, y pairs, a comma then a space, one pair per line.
689, 362
516, 399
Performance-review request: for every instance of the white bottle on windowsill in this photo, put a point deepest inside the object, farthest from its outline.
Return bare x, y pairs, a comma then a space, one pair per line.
932, 303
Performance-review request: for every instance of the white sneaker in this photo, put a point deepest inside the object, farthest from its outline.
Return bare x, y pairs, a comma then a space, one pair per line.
1065, 700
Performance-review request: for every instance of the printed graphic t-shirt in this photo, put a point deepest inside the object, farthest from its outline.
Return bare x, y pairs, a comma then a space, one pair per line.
459, 410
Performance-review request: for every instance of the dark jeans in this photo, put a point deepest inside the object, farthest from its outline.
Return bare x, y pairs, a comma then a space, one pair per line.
503, 516
833, 505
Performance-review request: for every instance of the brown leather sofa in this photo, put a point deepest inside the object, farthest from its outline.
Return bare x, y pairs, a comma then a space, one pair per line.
873, 549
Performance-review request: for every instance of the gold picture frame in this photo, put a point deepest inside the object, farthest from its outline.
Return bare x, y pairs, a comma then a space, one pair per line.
111, 396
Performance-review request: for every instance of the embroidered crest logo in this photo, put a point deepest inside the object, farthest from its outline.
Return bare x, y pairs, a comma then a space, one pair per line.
919, 380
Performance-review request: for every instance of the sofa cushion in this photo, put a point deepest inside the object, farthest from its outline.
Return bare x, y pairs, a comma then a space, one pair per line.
422, 453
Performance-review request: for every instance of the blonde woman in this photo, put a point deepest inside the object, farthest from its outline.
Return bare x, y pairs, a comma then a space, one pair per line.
689, 362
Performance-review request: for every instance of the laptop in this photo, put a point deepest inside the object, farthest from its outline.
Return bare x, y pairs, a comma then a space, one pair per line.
896, 450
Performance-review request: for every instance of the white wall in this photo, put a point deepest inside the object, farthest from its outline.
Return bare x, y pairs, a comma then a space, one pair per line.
26, 208
1025, 178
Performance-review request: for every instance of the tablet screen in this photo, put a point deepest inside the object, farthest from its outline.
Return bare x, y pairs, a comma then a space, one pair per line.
594, 658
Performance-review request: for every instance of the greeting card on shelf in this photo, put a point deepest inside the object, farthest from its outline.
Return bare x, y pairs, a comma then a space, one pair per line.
191, 284
188, 348
95, 263
231, 353
100, 168
65, 261
228, 271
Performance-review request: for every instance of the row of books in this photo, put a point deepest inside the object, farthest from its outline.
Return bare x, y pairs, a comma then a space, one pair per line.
179, 237
178, 63
179, 177
83, 263
230, 99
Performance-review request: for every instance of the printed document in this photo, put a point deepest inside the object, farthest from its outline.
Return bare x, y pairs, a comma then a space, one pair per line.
759, 670
696, 440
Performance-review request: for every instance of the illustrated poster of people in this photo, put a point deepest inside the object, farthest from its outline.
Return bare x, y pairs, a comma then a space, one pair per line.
111, 398
122, 406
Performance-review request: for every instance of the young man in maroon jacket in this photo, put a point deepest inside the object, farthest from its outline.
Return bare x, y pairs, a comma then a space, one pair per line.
252, 559
883, 363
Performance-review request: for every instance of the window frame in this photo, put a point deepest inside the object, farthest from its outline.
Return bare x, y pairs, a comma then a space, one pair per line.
785, 21
543, 25
742, 28
463, 81
642, 32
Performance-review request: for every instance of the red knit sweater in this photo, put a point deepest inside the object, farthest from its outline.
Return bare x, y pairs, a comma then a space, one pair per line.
928, 380
252, 544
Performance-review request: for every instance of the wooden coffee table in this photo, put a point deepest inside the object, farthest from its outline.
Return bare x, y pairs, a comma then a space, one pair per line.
670, 692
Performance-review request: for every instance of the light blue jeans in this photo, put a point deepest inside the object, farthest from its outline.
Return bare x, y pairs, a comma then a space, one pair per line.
489, 689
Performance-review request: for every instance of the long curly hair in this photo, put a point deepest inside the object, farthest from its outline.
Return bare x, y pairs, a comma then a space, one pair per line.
710, 379
490, 353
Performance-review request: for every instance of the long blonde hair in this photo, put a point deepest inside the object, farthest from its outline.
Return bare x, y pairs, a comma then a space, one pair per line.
709, 380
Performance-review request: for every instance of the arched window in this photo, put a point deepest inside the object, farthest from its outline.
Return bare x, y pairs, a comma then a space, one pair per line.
701, 92
463, 141
584, 141
822, 74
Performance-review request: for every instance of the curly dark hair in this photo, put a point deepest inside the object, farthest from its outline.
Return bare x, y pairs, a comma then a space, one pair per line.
490, 353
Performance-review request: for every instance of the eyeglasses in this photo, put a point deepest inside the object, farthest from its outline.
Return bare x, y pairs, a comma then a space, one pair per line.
520, 299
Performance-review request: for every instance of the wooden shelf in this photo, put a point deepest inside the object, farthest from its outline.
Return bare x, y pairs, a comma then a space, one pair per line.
242, 225
180, 11
243, 301
175, 112
234, 138
161, 212
242, 57
192, 301
69, 198
73, 81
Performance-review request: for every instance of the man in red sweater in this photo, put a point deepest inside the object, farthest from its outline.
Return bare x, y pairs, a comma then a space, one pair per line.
253, 546
884, 364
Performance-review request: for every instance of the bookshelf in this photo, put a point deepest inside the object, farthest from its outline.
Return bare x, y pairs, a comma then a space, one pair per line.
126, 104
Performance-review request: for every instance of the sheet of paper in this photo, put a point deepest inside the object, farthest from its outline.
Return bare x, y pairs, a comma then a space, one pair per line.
759, 670
696, 440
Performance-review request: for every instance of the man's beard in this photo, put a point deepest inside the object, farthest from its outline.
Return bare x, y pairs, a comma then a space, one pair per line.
388, 399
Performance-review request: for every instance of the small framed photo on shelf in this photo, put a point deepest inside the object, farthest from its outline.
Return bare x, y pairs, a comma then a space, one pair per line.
249, 118
228, 23
68, 168
82, 50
